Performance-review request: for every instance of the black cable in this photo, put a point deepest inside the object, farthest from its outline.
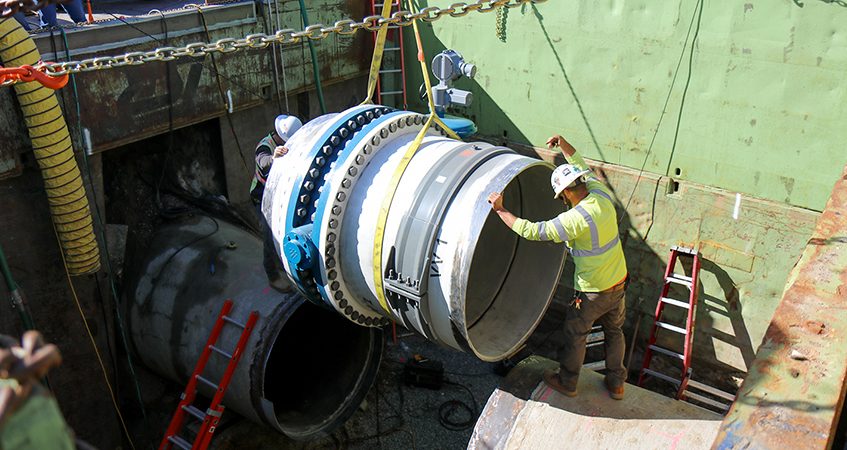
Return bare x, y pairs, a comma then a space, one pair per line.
667, 99
449, 409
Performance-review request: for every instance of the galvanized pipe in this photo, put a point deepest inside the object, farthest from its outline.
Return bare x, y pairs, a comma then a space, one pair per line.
450, 270
304, 370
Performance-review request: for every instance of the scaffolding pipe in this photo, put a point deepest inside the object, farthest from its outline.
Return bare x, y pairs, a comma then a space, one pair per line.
304, 370
450, 270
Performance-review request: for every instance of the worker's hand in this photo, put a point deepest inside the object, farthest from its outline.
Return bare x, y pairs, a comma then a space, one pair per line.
559, 141
280, 151
496, 200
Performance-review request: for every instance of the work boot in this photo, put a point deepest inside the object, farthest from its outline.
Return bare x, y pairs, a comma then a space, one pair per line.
279, 283
552, 379
616, 392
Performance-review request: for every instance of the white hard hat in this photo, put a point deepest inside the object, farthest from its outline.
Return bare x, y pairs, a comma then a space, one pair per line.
565, 175
286, 126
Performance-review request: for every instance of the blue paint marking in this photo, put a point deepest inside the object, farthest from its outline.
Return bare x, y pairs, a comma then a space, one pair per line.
292, 220
343, 155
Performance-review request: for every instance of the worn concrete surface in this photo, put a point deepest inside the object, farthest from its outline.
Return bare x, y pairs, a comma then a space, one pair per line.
525, 413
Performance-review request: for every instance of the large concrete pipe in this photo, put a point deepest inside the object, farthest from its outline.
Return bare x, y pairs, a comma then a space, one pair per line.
304, 370
450, 270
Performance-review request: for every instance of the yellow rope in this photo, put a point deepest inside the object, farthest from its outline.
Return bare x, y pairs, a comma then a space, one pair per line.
379, 233
94, 345
379, 46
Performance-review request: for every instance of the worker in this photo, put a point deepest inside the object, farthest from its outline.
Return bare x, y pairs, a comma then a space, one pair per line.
271, 148
590, 230
74, 8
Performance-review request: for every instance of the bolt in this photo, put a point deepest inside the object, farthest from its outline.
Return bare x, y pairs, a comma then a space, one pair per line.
375, 141
368, 321
392, 127
339, 295
330, 250
327, 150
355, 315
308, 185
341, 196
409, 121
335, 285
330, 263
345, 183
367, 149
360, 159
301, 212
344, 132
351, 124
304, 198
334, 141
320, 161
332, 274
383, 133
336, 210
342, 303
352, 171
314, 173
361, 119
330, 237
378, 112
348, 310
401, 123
333, 223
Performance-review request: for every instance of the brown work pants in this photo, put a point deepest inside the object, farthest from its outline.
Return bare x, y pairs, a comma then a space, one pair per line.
608, 309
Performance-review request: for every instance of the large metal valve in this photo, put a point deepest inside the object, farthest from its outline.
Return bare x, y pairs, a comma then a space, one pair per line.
450, 270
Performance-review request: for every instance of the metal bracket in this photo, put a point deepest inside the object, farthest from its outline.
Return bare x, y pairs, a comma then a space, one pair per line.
407, 273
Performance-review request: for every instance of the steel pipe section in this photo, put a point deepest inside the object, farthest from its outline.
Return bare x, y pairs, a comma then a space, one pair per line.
450, 270
304, 370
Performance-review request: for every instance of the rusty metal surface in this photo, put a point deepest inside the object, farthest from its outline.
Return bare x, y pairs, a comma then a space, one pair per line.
794, 393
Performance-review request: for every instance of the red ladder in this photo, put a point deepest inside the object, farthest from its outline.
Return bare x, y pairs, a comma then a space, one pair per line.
689, 283
213, 414
394, 53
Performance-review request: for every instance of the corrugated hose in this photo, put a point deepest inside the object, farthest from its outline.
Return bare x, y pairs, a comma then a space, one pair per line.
53, 149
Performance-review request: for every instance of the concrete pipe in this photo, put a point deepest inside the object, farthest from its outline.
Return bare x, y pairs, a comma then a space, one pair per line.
304, 370
449, 269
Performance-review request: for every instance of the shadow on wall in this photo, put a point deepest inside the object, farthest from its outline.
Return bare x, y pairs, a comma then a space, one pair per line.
646, 267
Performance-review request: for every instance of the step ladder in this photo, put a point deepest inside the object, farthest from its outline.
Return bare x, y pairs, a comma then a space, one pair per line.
686, 387
391, 82
596, 338
209, 420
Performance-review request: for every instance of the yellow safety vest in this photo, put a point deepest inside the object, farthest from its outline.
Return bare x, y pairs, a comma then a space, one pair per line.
590, 230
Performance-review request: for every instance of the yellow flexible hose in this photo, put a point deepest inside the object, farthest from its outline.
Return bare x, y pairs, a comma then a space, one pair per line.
54, 152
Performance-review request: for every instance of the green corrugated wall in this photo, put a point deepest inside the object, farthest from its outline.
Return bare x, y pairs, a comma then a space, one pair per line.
764, 110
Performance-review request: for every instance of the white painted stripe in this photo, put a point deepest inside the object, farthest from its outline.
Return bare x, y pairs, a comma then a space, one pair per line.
737, 208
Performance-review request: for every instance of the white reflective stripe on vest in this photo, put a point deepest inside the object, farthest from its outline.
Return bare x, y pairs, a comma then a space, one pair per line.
596, 248
542, 232
601, 193
560, 229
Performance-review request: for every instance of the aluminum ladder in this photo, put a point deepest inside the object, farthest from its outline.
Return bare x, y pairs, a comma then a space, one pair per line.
391, 81
209, 420
685, 385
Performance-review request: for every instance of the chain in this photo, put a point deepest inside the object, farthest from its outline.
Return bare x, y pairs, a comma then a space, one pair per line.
500, 23
314, 32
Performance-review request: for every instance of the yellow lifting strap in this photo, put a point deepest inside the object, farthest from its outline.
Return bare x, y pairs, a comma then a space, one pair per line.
379, 47
401, 169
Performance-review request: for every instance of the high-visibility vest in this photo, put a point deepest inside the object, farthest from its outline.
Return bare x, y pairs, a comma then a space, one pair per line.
590, 230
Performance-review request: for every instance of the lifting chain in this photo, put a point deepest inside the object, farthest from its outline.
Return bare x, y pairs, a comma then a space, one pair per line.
315, 32
500, 23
